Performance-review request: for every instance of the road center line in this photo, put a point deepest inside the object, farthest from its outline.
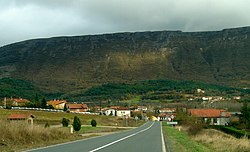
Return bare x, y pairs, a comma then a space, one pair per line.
121, 139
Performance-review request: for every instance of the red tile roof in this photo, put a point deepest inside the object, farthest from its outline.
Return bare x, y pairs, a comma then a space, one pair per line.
56, 102
114, 107
212, 113
77, 106
122, 108
21, 100
20, 116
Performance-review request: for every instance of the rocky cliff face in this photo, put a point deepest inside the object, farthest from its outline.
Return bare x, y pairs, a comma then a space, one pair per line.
71, 63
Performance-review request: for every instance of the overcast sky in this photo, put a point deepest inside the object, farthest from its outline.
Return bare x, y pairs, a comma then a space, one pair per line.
28, 19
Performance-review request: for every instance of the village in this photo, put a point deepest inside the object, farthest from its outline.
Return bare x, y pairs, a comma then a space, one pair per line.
212, 115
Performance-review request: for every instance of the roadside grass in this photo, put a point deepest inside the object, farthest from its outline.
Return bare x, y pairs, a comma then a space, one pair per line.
179, 141
221, 142
204, 141
18, 136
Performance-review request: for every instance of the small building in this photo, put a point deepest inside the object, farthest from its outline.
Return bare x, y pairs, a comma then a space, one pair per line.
122, 111
168, 110
23, 117
57, 104
77, 107
213, 116
110, 112
20, 102
200, 91
142, 108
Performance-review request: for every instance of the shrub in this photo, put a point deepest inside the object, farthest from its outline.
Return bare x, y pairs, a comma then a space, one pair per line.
93, 123
232, 131
195, 125
47, 125
65, 122
8, 107
76, 124
195, 128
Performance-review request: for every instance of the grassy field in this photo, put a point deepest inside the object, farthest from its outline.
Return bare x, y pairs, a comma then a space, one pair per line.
205, 141
18, 135
179, 141
222, 142
55, 118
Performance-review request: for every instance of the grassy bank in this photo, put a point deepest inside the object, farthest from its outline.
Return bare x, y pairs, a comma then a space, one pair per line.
206, 140
179, 141
17, 136
221, 142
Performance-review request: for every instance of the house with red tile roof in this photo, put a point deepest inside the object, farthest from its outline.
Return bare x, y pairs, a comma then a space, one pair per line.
57, 104
214, 116
19, 102
122, 112
77, 107
26, 117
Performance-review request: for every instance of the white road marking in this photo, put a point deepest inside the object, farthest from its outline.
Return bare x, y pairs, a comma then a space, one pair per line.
162, 141
121, 139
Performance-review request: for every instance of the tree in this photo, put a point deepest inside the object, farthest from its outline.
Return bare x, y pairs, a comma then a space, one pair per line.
44, 103
93, 123
37, 103
245, 116
76, 124
65, 109
65, 122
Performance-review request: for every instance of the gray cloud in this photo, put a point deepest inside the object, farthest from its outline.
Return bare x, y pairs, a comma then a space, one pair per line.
28, 19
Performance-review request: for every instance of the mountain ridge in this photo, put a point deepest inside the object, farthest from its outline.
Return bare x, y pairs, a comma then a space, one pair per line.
79, 62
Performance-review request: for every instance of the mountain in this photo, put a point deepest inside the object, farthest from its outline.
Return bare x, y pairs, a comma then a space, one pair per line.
70, 64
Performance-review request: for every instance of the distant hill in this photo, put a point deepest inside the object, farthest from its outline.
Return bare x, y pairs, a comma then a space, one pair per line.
70, 64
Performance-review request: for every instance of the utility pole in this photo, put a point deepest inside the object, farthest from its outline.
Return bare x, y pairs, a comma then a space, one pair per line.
5, 100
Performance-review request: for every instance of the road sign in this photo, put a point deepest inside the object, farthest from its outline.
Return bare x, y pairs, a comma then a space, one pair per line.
126, 116
172, 116
172, 123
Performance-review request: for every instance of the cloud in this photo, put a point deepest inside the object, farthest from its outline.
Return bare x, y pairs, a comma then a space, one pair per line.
28, 19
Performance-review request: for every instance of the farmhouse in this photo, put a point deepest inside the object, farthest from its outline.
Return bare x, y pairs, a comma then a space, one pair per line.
22, 117
20, 102
213, 116
76, 107
122, 111
167, 110
110, 112
57, 104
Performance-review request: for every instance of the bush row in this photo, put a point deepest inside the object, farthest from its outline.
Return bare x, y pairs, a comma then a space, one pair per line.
232, 131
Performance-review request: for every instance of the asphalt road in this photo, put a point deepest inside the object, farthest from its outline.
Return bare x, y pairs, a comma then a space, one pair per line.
147, 138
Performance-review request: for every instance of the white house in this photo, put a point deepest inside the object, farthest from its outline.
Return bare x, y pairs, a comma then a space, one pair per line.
110, 112
121, 112
213, 116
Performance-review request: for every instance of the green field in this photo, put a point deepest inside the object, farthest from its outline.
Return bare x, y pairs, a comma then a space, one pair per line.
55, 118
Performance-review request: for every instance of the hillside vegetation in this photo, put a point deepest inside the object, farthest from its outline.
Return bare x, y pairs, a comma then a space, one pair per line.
160, 90
73, 64
155, 90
